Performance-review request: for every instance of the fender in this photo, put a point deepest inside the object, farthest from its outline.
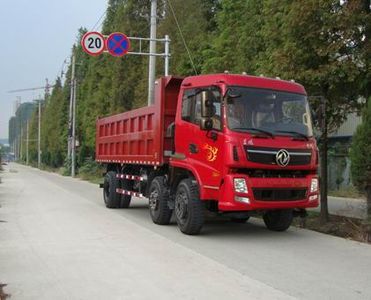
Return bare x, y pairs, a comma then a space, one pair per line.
184, 164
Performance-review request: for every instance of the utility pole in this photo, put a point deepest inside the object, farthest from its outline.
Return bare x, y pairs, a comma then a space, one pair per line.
21, 143
39, 138
28, 139
152, 51
15, 148
71, 105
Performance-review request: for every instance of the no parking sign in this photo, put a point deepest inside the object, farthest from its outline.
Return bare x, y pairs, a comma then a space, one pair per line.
94, 43
117, 44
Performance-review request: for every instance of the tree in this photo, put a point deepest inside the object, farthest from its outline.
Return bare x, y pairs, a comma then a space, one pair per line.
196, 19
315, 42
361, 158
238, 41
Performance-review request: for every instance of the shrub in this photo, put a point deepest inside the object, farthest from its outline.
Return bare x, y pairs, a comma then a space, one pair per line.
360, 155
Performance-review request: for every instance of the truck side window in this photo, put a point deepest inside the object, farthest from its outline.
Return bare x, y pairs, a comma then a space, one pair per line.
217, 118
191, 107
187, 104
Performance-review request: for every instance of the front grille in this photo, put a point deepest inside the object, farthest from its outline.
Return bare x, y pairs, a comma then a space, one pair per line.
266, 194
261, 173
267, 156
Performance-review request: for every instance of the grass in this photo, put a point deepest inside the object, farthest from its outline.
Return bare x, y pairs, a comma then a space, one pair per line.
347, 192
93, 178
91, 171
349, 228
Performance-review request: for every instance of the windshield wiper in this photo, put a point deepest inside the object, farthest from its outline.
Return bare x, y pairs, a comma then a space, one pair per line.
266, 132
293, 132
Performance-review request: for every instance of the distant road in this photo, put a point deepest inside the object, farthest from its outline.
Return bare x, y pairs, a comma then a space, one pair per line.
58, 241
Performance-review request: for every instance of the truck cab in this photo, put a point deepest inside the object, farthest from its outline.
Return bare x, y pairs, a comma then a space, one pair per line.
253, 148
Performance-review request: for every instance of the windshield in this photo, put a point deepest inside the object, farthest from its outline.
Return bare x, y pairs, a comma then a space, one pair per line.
276, 112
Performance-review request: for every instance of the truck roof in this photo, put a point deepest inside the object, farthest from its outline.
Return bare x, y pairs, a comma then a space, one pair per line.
245, 80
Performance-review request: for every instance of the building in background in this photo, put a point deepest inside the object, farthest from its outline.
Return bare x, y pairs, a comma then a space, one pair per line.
18, 125
339, 144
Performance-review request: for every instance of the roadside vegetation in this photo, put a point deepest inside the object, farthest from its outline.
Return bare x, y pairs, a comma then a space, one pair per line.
348, 192
321, 44
324, 45
345, 227
361, 158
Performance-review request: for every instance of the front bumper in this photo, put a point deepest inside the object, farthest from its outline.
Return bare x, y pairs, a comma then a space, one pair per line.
233, 201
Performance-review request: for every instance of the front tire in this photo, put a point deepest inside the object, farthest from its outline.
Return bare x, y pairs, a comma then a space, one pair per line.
189, 209
159, 202
278, 220
111, 198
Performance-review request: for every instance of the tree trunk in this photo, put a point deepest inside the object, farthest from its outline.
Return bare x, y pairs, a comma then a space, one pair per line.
324, 217
368, 194
367, 224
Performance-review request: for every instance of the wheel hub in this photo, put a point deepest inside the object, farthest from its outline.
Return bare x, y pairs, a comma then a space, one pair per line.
153, 200
181, 207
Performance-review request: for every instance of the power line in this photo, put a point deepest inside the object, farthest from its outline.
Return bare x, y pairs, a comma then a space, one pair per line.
99, 21
181, 35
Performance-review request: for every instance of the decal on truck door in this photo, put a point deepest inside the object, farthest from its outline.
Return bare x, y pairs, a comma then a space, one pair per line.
211, 152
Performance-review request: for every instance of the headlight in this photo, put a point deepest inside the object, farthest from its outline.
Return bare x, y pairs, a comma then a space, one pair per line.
240, 185
314, 185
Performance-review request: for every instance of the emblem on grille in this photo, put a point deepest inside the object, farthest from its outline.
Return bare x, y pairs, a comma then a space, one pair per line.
282, 158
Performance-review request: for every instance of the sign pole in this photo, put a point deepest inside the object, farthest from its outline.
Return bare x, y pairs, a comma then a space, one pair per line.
71, 101
167, 54
73, 153
152, 49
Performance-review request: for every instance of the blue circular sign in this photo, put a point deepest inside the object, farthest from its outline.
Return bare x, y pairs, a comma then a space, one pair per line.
117, 44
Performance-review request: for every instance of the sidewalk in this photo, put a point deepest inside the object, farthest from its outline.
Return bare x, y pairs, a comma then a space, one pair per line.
346, 207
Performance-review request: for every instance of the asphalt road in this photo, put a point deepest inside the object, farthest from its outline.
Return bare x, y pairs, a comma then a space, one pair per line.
58, 241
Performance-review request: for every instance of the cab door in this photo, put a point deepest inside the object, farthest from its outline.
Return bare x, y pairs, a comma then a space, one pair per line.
203, 149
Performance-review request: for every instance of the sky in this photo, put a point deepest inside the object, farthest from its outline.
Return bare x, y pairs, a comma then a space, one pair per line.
36, 38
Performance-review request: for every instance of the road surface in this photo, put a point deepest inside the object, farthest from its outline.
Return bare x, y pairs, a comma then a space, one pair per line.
58, 241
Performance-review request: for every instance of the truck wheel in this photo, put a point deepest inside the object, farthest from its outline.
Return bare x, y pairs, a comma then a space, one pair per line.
189, 210
111, 198
278, 220
158, 202
126, 199
240, 220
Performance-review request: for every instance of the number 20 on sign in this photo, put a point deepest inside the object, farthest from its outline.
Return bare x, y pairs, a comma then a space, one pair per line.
93, 43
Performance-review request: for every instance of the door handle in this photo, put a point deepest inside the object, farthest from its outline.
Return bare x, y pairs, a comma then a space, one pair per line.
193, 148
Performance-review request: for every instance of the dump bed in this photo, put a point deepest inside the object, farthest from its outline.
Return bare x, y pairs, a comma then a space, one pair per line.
139, 136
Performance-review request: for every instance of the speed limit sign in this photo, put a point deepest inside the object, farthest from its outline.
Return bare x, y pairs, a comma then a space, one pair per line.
93, 43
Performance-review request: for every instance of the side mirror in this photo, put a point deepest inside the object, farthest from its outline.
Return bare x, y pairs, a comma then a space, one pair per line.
207, 105
206, 124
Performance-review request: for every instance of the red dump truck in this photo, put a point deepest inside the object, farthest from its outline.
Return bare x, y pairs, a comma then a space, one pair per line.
234, 145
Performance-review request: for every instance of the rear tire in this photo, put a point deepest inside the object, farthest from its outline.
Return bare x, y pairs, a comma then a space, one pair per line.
126, 199
111, 198
278, 220
159, 202
189, 209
